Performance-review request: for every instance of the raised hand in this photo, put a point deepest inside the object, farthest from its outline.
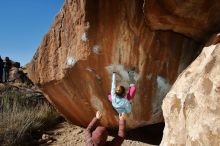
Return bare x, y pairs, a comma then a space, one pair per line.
98, 115
131, 76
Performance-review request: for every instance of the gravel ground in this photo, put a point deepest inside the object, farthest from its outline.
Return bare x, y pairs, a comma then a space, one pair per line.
66, 134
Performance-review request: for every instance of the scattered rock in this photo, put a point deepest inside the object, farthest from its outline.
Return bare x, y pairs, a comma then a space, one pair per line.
49, 141
45, 137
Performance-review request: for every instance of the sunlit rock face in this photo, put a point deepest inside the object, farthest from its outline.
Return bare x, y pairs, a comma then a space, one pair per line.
192, 107
74, 63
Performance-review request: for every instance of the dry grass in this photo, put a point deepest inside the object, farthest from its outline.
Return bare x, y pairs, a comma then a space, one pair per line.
19, 117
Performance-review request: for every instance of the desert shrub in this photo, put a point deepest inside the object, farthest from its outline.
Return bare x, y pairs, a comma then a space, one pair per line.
21, 115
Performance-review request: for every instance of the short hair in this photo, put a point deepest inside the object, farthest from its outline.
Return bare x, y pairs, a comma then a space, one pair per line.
120, 90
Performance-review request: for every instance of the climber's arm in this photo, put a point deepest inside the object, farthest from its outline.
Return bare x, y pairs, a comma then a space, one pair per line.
118, 140
113, 94
91, 127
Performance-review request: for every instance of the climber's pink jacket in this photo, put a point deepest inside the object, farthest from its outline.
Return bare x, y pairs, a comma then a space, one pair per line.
130, 94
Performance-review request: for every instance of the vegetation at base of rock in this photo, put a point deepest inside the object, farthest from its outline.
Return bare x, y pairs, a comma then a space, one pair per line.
22, 113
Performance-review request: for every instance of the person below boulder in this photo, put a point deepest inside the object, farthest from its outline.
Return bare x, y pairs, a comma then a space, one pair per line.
97, 135
1, 70
6, 68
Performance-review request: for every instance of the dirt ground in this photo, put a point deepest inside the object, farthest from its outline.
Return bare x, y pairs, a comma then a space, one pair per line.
65, 134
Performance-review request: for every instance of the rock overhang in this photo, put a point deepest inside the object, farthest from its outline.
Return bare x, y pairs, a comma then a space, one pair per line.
87, 37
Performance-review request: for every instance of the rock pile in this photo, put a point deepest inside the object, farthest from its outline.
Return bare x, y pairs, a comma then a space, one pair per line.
11, 71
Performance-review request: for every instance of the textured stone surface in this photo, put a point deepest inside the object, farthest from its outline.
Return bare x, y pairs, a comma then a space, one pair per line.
73, 64
197, 19
192, 108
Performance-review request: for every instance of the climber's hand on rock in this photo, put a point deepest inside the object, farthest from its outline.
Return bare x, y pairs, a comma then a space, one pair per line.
122, 116
131, 74
98, 115
114, 69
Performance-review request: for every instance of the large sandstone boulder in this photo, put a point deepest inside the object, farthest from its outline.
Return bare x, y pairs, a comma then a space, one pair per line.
192, 107
73, 64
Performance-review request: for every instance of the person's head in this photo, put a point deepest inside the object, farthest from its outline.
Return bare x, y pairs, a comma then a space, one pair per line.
120, 90
7, 59
99, 136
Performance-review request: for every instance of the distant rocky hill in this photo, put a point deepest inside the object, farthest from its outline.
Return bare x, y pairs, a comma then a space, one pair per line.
15, 72
18, 86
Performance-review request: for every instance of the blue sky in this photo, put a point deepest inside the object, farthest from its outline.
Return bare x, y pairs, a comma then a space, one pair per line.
23, 23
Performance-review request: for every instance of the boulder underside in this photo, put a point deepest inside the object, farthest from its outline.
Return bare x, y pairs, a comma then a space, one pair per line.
74, 63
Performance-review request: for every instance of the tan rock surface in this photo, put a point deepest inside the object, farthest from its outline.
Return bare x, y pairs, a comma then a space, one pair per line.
73, 65
192, 108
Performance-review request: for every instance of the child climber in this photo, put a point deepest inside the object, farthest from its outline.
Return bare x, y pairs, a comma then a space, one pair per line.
120, 100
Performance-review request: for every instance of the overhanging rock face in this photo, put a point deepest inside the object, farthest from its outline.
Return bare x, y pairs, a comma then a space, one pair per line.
197, 19
73, 65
